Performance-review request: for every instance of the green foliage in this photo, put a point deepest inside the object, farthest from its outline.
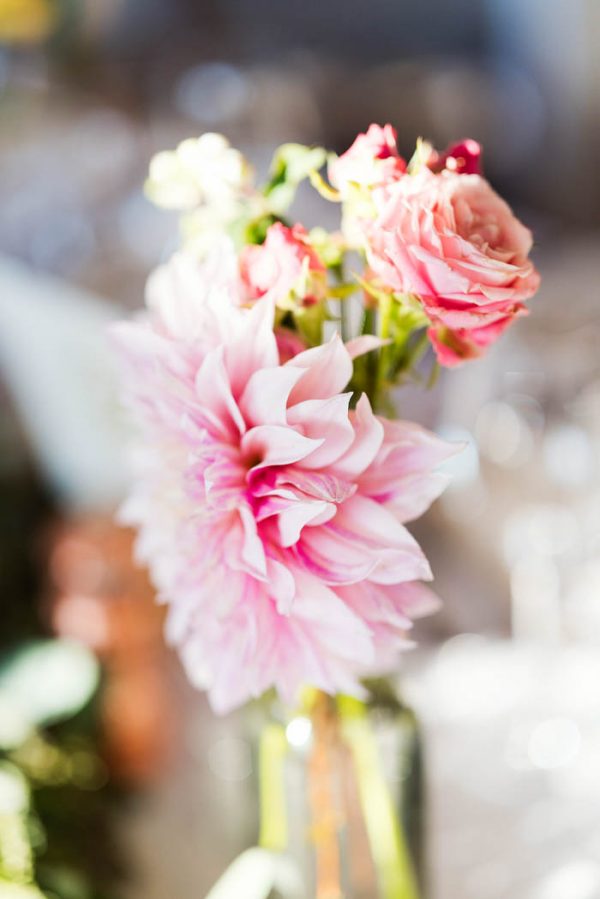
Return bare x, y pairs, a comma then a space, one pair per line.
399, 321
309, 322
291, 164
255, 231
322, 187
54, 800
420, 157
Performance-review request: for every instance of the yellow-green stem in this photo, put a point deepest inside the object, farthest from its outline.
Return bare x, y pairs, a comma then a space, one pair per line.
388, 842
273, 812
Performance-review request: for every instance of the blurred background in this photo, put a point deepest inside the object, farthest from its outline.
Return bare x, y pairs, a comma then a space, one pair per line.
131, 768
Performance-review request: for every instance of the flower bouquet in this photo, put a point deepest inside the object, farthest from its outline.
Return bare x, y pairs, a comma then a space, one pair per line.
273, 485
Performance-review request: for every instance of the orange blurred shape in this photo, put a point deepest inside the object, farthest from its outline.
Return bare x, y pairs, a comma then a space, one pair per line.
102, 598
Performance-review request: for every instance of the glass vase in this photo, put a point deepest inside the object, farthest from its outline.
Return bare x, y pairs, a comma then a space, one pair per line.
339, 790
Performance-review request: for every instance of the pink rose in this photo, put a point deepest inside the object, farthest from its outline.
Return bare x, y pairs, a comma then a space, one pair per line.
372, 160
284, 268
453, 242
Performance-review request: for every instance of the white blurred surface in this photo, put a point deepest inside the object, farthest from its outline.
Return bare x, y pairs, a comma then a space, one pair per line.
513, 748
56, 361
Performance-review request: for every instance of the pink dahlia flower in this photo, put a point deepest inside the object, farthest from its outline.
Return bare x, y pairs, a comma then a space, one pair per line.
285, 268
270, 514
453, 242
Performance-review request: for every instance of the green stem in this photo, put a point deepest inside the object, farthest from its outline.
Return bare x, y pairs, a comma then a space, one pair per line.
273, 812
408, 360
385, 322
370, 360
387, 838
344, 320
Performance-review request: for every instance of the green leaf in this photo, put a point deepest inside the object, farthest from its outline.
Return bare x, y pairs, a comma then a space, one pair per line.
420, 157
329, 247
66, 882
322, 187
255, 232
309, 322
282, 196
294, 162
377, 293
342, 291
291, 164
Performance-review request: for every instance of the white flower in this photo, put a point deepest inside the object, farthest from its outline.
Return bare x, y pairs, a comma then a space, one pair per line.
203, 171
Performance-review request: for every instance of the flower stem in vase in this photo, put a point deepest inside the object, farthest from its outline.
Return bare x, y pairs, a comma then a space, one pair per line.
326, 804
389, 846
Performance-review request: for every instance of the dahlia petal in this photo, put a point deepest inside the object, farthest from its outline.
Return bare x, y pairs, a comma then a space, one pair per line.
253, 553
293, 511
183, 614
407, 450
416, 599
295, 658
231, 684
142, 348
396, 566
292, 520
328, 370
276, 445
371, 523
358, 346
214, 392
337, 625
282, 585
377, 604
266, 394
368, 437
274, 504
218, 481
332, 557
316, 484
253, 348
363, 522
417, 494
326, 420
240, 548
181, 293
